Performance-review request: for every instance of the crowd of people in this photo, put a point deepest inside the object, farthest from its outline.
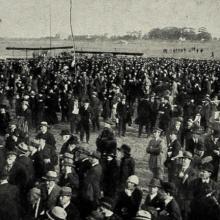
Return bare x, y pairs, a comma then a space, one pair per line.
174, 102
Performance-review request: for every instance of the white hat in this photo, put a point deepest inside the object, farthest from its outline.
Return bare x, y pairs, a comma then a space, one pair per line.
133, 179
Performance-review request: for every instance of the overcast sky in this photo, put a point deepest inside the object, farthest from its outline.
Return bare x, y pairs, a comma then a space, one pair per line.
30, 18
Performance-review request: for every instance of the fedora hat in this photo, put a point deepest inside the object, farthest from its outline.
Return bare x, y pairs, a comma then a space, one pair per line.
51, 175
57, 213
155, 183
22, 148
207, 167
66, 191
187, 154
65, 132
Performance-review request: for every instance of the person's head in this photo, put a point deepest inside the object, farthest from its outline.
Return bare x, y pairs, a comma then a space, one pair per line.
199, 150
132, 182
51, 178
125, 150
154, 186
157, 132
86, 104
24, 105
177, 124
43, 126
186, 159
65, 195
11, 157
168, 190
2, 109
40, 140
189, 123
123, 100
65, 134
206, 171
173, 136
72, 143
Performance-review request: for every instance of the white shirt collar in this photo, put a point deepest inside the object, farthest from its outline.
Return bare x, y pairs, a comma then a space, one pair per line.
66, 205
3, 182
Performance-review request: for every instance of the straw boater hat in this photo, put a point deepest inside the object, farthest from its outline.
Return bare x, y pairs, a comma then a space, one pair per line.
142, 215
57, 213
44, 123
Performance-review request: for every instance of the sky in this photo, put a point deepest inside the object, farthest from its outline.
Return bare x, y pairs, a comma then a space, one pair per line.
31, 18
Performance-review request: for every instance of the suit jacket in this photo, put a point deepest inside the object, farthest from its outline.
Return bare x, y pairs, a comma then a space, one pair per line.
10, 202
50, 140
157, 151
127, 206
91, 190
52, 199
173, 210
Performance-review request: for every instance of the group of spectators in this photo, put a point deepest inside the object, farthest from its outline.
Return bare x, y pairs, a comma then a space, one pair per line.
176, 101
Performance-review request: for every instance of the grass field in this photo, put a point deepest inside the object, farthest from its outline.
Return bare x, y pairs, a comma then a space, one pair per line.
148, 47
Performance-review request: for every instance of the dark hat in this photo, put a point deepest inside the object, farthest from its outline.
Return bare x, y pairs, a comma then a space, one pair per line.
3, 106
57, 213
73, 140
207, 167
65, 132
12, 153
187, 154
155, 183
66, 191
125, 148
200, 147
107, 203
157, 129
216, 133
169, 187
41, 136
22, 148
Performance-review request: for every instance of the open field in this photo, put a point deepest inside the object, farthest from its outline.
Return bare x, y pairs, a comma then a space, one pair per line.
148, 47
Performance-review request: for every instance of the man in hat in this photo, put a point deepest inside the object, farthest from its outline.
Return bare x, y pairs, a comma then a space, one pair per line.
91, 186
106, 142
35, 205
9, 198
143, 117
157, 150
173, 151
96, 108
74, 115
46, 157
56, 213
212, 146
127, 165
195, 141
171, 210
68, 176
85, 118
50, 140
50, 191
183, 177
204, 191
110, 176
122, 115
66, 203
65, 134
153, 202
4, 120
129, 200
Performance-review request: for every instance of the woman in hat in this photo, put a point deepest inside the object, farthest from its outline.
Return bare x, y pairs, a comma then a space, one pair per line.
129, 200
153, 202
